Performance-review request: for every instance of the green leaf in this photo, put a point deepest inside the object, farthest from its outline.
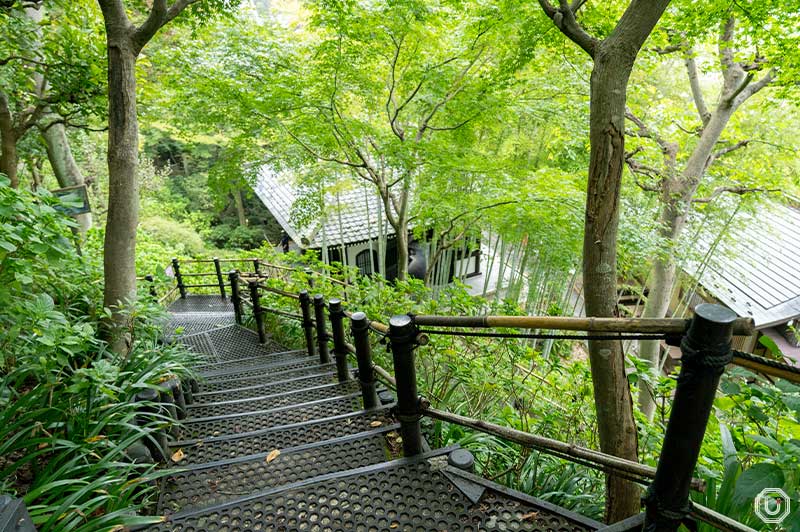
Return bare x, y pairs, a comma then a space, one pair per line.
752, 481
8, 246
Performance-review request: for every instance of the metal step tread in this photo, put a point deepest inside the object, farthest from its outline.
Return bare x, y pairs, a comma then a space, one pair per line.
249, 421
216, 367
228, 446
235, 372
261, 378
267, 402
218, 482
402, 494
258, 390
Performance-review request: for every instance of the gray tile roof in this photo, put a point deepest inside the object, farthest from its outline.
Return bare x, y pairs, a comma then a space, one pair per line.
756, 268
356, 203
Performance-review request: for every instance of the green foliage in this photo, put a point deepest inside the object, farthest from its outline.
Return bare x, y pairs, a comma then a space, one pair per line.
67, 408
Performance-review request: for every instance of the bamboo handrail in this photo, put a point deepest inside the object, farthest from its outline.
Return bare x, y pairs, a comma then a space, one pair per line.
374, 325
742, 326
167, 295
526, 439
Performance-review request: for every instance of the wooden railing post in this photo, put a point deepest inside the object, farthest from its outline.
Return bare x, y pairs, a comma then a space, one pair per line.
233, 277
308, 325
340, 351
151, 289
706, 350
359, 326
176, 269
258, 312
402, 339
220, 279
322, 334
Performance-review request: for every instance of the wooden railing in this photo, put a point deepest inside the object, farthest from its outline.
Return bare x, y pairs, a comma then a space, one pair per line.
705, 342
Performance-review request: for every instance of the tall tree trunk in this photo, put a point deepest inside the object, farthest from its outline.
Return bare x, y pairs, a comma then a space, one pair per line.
676, 203
238, 201
8, 143
64, 166
123, 186
402, 249
612, 397
613, 57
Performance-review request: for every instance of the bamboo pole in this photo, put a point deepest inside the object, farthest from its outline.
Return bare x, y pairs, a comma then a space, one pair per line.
526, 439
742, 326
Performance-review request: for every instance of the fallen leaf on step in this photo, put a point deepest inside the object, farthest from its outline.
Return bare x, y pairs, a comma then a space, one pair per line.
394, 525
530, 516
178, 455
273, 454
375, 424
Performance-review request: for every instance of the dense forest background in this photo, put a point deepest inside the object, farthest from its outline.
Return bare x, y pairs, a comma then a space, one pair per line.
465, 119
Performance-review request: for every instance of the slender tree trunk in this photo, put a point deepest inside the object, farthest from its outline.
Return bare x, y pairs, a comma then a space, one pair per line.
123, 186
402, 249
612, 397
8, 143
64, 166
676, 202
238, 202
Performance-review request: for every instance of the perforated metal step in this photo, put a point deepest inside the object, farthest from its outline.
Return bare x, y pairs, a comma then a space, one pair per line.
250, 421
230, 373
261, 378
191, 323
291, 384
202, 303
210, 449
251, 362
399, 495
265, 402
218, 482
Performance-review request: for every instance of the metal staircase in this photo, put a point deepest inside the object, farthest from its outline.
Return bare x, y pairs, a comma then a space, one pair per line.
274, 441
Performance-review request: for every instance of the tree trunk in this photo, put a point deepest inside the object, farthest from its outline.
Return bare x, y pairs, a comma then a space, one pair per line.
8, 143
676, 202
64, 167
238, 201
402, 249
123, 186
612, 397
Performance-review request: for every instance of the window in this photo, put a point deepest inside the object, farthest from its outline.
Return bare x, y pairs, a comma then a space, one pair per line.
363, 262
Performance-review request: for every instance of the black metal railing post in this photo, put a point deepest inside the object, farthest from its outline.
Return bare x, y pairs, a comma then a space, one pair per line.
308, 325
402, 339
359, 326
322, 334
176, 269
340, 351
236, 299
220, 278
256, 264
705, 351
309, 277
151, 289
258, 312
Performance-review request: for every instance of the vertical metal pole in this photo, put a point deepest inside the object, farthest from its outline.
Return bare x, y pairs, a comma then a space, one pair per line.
233, 277
308, 326
322, 334
340, 351
220, 279
359, 326
258, 312
176, 269
152, 288
706, 350
256, 264
402, 338
309, 277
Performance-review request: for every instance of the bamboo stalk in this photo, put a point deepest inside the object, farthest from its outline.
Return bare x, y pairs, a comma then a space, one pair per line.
742, 326
546, 444
385, 375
